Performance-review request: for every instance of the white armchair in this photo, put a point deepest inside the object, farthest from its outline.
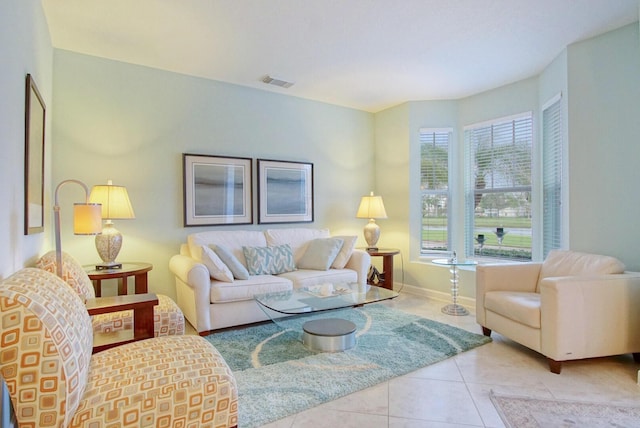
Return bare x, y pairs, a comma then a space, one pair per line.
571, 306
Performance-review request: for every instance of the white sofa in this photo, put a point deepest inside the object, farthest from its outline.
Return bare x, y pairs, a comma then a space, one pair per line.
210, 303
572, 306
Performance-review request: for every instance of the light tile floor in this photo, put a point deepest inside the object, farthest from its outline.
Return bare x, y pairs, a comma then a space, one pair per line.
455, 392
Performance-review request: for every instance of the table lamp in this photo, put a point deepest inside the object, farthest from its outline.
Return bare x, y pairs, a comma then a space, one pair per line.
115, 206
371, 207
87, 219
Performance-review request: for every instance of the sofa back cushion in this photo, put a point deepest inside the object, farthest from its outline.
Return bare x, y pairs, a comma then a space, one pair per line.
297, 238
573, 263
232, 240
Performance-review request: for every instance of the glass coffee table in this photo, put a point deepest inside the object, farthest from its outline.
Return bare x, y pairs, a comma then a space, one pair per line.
328, 334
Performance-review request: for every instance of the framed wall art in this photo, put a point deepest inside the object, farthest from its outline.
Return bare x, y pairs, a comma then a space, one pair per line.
217, 190
33, 159
285, 191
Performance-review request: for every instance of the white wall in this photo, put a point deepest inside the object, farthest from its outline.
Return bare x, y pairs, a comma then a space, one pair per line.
131, 124
604, 144
25, 47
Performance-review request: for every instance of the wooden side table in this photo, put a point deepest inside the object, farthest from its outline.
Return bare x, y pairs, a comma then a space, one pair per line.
386, 280
135, 269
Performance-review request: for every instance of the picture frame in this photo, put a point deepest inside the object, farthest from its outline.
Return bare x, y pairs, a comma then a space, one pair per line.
285, 191
217, 190
35, 115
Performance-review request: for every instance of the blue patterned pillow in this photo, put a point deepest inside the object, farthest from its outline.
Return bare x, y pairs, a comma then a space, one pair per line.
269, 260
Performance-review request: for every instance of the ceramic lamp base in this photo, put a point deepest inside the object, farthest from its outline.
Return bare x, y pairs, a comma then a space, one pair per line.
108, 244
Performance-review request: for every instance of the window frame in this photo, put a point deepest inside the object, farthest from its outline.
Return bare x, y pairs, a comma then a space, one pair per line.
448, 192
470, 190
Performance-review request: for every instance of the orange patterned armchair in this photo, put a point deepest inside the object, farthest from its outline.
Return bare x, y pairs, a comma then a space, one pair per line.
53, 379
167, 316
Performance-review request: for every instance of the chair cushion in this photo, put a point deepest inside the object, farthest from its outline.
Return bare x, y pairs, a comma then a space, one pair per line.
517, 306
168, 381
573, 263
168, 319
72, 273
46, 338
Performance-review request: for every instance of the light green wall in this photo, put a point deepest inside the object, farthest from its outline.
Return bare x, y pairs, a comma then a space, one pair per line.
601, 101
131, 124
25, 47
604, 144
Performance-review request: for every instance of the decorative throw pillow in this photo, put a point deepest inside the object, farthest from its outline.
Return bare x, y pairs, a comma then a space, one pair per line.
237, 269
320, 253
345, 252
269, 260
217, 269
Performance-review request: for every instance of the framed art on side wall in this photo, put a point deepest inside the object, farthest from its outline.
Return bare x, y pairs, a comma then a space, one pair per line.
217, 190
34, 124
285, 191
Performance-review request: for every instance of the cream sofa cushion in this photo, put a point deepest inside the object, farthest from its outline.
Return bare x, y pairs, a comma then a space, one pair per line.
572, 263
232, 240
245, 289
297, 238
517, 306
217, 269
349, 244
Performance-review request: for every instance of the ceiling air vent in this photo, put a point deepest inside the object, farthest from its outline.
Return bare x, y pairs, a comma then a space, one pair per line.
278, 82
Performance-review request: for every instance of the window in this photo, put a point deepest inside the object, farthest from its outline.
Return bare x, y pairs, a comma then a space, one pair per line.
498, 188
552, 175
434, 190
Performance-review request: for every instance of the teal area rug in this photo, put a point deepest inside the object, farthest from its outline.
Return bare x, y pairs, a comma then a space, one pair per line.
277, 376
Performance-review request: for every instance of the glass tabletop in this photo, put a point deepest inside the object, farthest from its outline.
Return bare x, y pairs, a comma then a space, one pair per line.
449, 262
323, 297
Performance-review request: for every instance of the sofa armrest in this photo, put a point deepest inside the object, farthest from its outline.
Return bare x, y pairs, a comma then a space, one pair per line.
360, 261
583, 317
143, 327
504, 277
193, 290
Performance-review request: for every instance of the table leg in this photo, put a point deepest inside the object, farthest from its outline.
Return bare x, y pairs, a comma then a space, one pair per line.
141, 283
122, 286
387, 271
454, 308
97, 285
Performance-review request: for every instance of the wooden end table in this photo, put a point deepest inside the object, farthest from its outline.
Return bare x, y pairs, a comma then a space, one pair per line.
136, 269
386, 279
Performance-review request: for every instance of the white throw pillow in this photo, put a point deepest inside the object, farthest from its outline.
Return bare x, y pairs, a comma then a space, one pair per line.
320, 253
217, 269
345, 252
237, 269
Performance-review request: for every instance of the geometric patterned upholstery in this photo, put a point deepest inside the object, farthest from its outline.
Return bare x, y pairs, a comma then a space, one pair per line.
45, 347
168, 319
53, 380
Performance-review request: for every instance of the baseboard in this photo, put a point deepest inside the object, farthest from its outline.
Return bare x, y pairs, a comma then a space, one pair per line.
467, 302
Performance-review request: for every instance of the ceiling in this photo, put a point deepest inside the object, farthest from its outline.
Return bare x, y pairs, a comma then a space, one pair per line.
364, 54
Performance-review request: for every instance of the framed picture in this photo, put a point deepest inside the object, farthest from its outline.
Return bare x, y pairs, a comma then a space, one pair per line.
217, 190
285, 191
33, 159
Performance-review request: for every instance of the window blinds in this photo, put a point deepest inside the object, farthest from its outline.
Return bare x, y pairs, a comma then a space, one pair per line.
434, 189
498, 172
552, 172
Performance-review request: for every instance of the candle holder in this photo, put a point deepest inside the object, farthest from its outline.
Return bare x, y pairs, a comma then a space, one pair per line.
500, 233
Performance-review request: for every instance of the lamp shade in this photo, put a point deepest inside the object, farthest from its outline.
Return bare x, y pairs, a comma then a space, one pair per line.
87, 219
371, 207
115, 201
